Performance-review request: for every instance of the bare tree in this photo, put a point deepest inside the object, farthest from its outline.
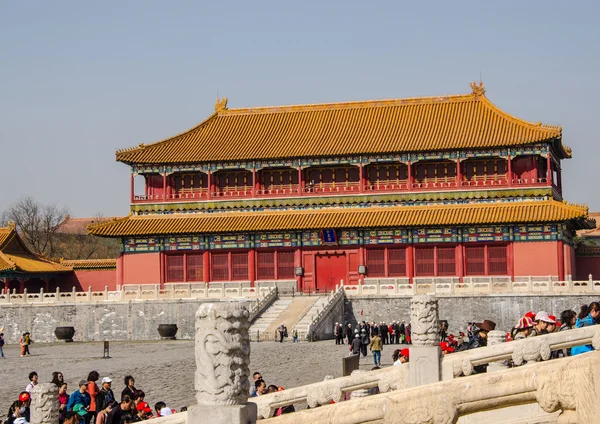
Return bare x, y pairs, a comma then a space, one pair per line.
77, 243
36, 223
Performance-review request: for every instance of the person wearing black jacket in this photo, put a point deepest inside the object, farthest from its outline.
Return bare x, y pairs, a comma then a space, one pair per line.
129, 389
114, 417
105, 395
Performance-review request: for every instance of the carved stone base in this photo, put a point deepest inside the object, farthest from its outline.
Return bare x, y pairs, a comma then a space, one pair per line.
236, 414
424, 365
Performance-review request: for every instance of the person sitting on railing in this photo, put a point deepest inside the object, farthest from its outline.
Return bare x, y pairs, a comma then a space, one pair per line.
587, 316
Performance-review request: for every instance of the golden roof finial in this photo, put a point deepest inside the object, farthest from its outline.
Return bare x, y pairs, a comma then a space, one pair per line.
221, 104
478, 89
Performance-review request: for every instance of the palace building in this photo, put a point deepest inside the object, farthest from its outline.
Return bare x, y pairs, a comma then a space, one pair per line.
310, 196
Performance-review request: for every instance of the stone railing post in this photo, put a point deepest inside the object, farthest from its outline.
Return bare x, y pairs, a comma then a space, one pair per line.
222, 350
41, 295
496, 337
57, 295
89, 294
25, 295
44, 408
105, 293
425, 353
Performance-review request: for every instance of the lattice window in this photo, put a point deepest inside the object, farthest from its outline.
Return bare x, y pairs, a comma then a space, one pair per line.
446, 261
497, 260
396, 262
265, 265
239, 266
174, 268
220, 266
376, 262
285, 265
195, 267
475, 260
424, 261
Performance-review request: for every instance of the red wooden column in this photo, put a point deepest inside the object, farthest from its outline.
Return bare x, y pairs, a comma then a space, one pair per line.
300, 181
251, 267
361, 178
458, 174
253, 182
298, 263
535, 168
164, 186
257, 184
21, 284
205, 266
410, 262
460, 262
410, 175
561, 260
162, 260
6, 285
131, 186
208, 186
509, 173
511, 260
549, 170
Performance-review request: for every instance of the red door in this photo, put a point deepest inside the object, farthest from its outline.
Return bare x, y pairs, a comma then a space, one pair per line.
330, 271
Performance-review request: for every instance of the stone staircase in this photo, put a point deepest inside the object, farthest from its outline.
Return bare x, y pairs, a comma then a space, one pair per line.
304, 322
286, 310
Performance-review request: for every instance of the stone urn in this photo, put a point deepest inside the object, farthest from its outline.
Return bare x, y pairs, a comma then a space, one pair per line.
64, 333
167, 331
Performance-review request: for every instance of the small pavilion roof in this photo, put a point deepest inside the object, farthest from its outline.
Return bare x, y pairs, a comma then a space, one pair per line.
443, 123
16, 257
361, 217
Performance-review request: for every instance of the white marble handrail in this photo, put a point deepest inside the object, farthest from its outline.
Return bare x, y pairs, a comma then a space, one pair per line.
263, 303
332, 299
530, 349
567, 386
324, 392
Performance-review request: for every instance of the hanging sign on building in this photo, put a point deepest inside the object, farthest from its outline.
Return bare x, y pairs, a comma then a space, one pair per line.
329, 237
231, 241
184, 243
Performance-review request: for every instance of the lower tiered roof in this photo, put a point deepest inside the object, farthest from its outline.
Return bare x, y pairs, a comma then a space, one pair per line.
365, 217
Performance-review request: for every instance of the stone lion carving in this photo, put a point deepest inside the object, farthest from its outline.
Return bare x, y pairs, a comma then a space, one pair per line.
424, 320
222, 354
44, 407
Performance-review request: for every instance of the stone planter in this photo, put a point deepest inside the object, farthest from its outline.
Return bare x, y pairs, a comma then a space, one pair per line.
64, 333
167, 331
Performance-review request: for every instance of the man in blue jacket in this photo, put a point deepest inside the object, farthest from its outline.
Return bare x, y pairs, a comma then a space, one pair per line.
79, 397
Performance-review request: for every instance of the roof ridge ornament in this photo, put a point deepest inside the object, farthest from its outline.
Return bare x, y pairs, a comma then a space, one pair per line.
478, 89
12, 226
221, 104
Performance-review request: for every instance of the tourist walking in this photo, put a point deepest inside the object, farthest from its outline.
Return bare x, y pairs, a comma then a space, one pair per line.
282, 332
364, 340
26, 342
295, 335
587, 316
2, 345
376, 346
336, 333
349, 334
355, 347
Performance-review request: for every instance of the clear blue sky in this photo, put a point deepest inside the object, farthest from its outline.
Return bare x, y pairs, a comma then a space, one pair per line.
81, 79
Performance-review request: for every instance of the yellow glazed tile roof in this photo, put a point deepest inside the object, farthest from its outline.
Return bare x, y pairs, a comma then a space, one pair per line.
468, 121
372, 217
22, 260
84, 264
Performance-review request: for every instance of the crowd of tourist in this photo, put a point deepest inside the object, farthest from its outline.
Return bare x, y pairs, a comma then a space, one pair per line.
90, 403
259, 388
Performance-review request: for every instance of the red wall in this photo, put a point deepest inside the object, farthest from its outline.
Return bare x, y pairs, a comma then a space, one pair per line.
141, 268
587, 265
570, 261
536, 258
97, 279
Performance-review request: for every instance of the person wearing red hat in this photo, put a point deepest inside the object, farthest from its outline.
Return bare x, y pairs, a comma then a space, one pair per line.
143, 410
551, 326
25, 399
446, 348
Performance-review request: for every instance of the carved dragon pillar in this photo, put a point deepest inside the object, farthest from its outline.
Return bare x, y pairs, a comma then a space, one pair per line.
425, 353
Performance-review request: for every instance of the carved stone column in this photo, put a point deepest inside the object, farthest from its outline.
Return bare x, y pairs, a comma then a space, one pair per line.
44, 406
496, 337
425, 352
222, 359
